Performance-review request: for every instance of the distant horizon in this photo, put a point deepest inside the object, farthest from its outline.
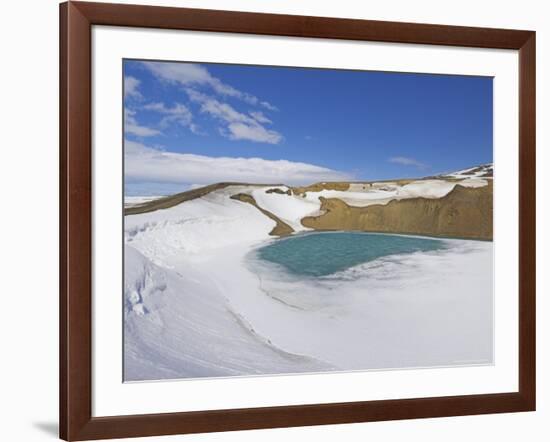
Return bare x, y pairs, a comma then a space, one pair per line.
186, 188
189, 125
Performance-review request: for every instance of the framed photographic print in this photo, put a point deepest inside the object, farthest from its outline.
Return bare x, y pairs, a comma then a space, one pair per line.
272, 220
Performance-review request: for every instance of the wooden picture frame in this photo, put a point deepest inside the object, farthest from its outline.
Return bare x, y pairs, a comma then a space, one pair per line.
76, 21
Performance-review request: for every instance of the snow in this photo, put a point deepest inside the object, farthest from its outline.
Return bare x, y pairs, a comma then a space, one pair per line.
382, 193
198, 303
289, 208
393, 308
132, 201
468, 173
190, 330
473, 182
188, 230
426, 189
179, 320
358, 199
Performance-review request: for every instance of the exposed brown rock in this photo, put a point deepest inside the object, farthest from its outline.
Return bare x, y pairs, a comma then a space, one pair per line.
281, 228
279, 191
463, 213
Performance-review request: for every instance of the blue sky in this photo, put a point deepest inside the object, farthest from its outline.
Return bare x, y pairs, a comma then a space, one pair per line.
192, 124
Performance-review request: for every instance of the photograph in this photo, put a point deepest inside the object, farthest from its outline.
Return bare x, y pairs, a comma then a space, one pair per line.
260, 221
289, 220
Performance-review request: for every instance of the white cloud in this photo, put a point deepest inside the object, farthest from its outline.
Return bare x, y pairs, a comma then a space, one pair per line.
145, 164
189, 74
404, 161
131, 126
242, 131
268, 106
238, 126
178, 113
260, 117
131, 85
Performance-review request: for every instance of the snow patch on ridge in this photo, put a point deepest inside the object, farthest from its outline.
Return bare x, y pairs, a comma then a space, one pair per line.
485, 170
363, 195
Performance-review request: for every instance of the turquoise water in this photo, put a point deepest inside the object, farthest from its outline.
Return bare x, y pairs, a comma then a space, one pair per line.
320, 254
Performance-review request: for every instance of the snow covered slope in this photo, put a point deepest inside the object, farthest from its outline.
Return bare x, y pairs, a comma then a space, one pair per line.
179, 323
198, 303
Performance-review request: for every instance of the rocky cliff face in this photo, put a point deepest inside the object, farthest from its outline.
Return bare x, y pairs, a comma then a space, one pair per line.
463, 213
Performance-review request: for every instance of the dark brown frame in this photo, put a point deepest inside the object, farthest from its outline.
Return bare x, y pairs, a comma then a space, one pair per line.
76, 421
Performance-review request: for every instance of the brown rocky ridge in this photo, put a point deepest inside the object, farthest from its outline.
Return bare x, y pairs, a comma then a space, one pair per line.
464, 212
